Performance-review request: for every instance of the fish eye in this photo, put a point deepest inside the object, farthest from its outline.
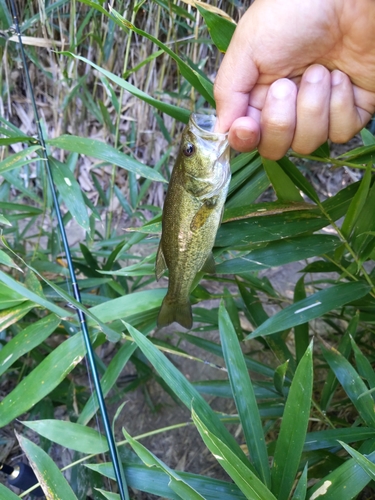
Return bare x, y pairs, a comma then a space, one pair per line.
189, 149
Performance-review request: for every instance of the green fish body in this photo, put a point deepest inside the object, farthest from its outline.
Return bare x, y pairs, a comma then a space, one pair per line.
192, 214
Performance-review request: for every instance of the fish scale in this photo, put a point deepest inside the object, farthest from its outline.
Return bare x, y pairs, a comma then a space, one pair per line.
192, 214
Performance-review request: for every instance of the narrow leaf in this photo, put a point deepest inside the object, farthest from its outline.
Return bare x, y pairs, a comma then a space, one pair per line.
50, 478
220, 29
176, 483
353, 385
70, 435
314, 306
243, 477
244, 396
98, 149
284, 188
293, 429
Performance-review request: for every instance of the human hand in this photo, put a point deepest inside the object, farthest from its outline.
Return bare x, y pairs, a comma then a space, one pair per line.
297, 73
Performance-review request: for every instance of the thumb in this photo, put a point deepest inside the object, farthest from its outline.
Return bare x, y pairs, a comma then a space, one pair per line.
236, 77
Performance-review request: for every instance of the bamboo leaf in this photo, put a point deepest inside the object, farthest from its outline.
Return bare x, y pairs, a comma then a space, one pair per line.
301, 488
179, 113
154, 481
344, 483
51, 480
284, 188
278, 253
313, 307
244, 396
243, 477
102, 151
344, 348
352, 383
299, 180
18, 159
328, 439
176, 483
70, 192
26, 340
185, 391
301, 332
7, 494
293, 429
357, 203
220, 29
361, 460
70, 435
43, 379
365, 369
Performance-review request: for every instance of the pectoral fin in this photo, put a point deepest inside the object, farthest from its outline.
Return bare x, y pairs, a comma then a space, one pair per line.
209, 265
160, 264
203, 214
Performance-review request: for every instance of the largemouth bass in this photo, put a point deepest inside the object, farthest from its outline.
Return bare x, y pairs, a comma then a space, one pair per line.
192, 214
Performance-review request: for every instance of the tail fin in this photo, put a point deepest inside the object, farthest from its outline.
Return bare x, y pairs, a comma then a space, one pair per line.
170, 312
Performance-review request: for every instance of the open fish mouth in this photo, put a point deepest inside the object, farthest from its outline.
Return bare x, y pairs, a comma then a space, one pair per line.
209, 142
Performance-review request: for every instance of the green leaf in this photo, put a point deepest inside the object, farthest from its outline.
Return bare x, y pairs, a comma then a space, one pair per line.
176, 483
278, 253
328, 439
108, 380
18, 159
367, 137
352, 383
301, 332
244, 396
185, 391
7, 494
154, 481
344, 483
301, 488
365, 369
220, 29
357, 203
293, 429
284, 187
361, 460
70, 192
26, 340
28, 294
49, 476
43, 379
4, 221
313, 307
13, 314
186, 71
299, 180
243, 477
110, 155
344, 348
70, 435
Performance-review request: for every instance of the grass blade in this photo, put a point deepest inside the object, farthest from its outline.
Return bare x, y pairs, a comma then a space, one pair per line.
244, 396
243, 477
176, 483
185, 391
352, 383
293, 429
314, 306
49, 476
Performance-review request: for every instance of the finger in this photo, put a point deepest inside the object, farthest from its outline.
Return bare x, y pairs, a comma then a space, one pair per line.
313, 104
278, 119
350, 108
236, 77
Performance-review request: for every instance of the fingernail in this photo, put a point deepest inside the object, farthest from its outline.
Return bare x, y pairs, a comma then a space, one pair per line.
337, 77
244, 134
281, 88
315, 74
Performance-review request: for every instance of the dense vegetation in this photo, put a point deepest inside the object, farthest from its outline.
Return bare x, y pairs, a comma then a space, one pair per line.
114, 89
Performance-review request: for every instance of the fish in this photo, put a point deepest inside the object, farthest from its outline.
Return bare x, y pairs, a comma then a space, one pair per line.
192, 214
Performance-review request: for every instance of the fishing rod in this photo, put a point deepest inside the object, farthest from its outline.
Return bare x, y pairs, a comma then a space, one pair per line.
119, 474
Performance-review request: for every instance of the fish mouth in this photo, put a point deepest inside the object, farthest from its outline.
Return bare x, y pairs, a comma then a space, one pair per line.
204, 125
